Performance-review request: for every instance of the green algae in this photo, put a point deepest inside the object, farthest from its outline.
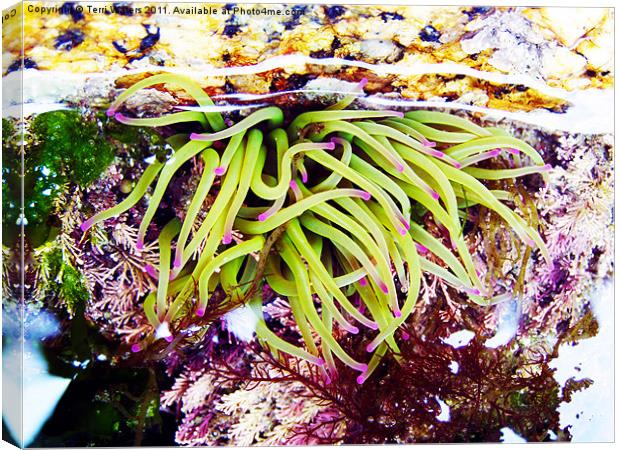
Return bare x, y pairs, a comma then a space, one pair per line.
65, 280
11, 186
70, 145
61, 147
73, 289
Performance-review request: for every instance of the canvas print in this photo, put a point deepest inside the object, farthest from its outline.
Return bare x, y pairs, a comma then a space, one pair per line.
298, 224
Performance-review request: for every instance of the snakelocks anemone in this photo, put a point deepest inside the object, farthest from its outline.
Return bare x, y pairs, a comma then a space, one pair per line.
326, 211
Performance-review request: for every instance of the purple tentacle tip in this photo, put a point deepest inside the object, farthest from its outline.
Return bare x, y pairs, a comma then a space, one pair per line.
149, 269
475, 291
384, 287
435, 195
495, 152
119, 117
86, 225
169, 338
366, 195
330, 145
177, 262
457, 165
363, 282
400, 167
354, 330
320, 362
304, 177
135, 348
422, 249
219, 170
398, 313
110, 112
406, 336
363, 82
360, 379
262, 217
547, 167
195, 136
200, 312
227, 239
403, 231
327, 380
427, 143
140, 244
437, 153
293, 185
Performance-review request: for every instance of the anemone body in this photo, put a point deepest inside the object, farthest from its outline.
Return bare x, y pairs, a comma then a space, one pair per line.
323, 211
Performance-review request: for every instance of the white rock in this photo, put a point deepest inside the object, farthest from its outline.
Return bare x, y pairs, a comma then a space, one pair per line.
242, 323
459, 339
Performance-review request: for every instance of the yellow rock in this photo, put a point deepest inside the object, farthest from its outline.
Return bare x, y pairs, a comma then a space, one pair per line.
571, 24
561, 63
598, 45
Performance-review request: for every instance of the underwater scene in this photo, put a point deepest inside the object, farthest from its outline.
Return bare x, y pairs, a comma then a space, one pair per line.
302, 224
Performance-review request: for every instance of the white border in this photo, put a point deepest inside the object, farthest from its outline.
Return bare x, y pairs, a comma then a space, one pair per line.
556, 3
